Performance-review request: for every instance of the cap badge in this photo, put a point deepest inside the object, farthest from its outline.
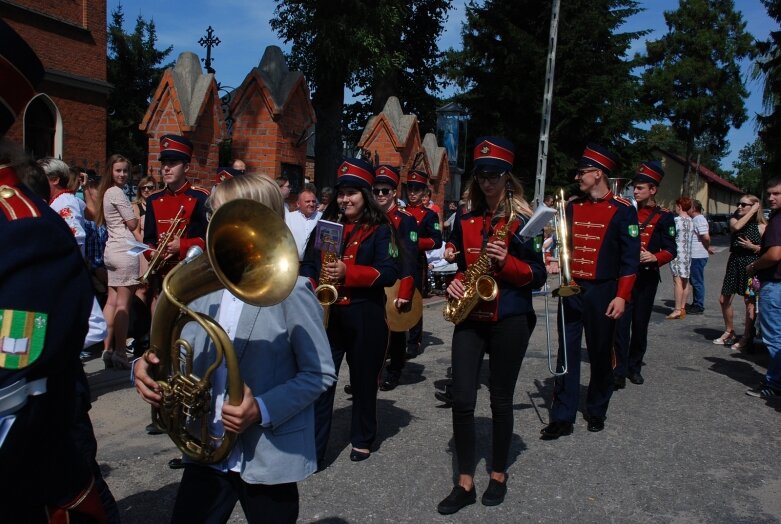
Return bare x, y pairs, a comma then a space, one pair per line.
485, 150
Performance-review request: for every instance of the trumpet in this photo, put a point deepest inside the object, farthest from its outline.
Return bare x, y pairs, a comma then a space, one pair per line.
157, 258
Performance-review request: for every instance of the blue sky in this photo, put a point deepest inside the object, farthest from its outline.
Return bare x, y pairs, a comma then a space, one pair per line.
243, 28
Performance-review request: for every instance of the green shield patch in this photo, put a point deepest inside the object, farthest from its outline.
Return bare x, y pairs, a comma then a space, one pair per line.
413, 235
634, 230
22, 334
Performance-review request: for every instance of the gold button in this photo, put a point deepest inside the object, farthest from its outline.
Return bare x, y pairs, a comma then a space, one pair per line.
7, 192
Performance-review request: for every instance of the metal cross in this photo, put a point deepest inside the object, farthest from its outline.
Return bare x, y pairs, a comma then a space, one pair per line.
208, 42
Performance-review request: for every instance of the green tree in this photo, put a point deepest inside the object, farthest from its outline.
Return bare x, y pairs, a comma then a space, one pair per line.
748, 168
376, 47
769, 65
692, 77
134, 69
407, 66
501, 71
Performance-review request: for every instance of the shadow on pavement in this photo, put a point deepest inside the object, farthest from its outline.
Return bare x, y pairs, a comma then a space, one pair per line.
483, 431
149, 506
742, 372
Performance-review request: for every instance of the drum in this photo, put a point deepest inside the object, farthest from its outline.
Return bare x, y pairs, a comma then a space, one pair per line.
443, 275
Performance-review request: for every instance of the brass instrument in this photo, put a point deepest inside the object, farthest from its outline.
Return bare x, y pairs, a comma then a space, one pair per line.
326, 292
617, 185
567, 286
251, 253
478, 282
157, 259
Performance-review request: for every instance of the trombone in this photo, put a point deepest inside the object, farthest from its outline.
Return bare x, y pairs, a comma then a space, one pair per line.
567, 286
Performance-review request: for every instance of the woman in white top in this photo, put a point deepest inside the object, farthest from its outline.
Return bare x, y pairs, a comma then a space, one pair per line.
116, 212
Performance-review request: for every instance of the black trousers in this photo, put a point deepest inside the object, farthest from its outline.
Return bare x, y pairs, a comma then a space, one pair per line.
505, 341
397, 352
585, 312
207, 495
631, 348
359, 332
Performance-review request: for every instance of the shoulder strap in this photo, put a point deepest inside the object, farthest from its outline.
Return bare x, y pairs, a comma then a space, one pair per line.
648, 219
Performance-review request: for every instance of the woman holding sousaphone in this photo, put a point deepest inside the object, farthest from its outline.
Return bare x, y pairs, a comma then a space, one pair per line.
502, 269
275, 362
364, 265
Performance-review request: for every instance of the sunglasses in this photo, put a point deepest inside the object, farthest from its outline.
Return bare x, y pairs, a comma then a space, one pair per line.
744, 204
147, 188
489, 177
381, 191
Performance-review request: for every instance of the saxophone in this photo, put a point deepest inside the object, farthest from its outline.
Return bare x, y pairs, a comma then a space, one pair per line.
326, 292
478, 282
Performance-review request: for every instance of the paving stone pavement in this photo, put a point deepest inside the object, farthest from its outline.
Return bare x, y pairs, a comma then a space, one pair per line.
686, 446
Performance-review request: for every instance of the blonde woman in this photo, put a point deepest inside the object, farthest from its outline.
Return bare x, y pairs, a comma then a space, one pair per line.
747, 226
116, 212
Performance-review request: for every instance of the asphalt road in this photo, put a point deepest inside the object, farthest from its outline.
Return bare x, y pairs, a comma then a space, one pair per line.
686, 446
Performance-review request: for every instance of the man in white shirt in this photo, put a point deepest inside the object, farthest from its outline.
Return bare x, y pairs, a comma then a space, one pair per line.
700, 251
303, 221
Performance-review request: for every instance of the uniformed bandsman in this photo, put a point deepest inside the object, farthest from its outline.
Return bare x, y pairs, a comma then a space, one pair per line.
657, 248
386, 181
357, 328
162, 207
429, 237
45, 301
605, 252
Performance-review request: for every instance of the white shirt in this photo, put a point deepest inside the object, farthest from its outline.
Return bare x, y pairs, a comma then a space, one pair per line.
228, 318
302, 227
700, 228
67, 206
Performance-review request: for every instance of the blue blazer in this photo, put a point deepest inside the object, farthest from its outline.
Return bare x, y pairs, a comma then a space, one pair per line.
285, 359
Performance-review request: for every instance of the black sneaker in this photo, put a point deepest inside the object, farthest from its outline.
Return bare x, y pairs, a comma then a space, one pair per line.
763, 391
390, 382
694, 310
444, 396
494, 493
458, 498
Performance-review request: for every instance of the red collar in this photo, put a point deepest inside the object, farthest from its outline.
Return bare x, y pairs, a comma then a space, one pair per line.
8, 176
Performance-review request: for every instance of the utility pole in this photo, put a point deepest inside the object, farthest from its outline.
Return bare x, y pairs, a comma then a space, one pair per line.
547, 102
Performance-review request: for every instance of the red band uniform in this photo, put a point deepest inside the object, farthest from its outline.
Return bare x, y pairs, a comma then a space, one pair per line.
500, 327
162, 207
357, 327
605, 248
406, 233
657, 236
429, 237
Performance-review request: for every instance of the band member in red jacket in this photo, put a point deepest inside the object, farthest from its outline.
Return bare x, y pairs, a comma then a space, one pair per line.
657, 248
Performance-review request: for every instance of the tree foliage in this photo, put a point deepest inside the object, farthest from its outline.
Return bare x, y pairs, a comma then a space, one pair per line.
769, 63
692, 77
134, 69
501, 71
379, 48
748, 168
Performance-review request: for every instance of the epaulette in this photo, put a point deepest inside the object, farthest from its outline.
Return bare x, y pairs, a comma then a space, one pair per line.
14, 204
404, 212
622, 200
201, 189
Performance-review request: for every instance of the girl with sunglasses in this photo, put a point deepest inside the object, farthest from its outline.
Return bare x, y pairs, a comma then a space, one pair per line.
500, 327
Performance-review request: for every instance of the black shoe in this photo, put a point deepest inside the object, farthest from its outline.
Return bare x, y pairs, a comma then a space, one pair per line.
458, 498
390, 382
556, 429
595, 424
413, 352
636, 378
358, 456
494, 493
444, 396
348, 389
151, 429
175, 463
619, 383
694, 310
